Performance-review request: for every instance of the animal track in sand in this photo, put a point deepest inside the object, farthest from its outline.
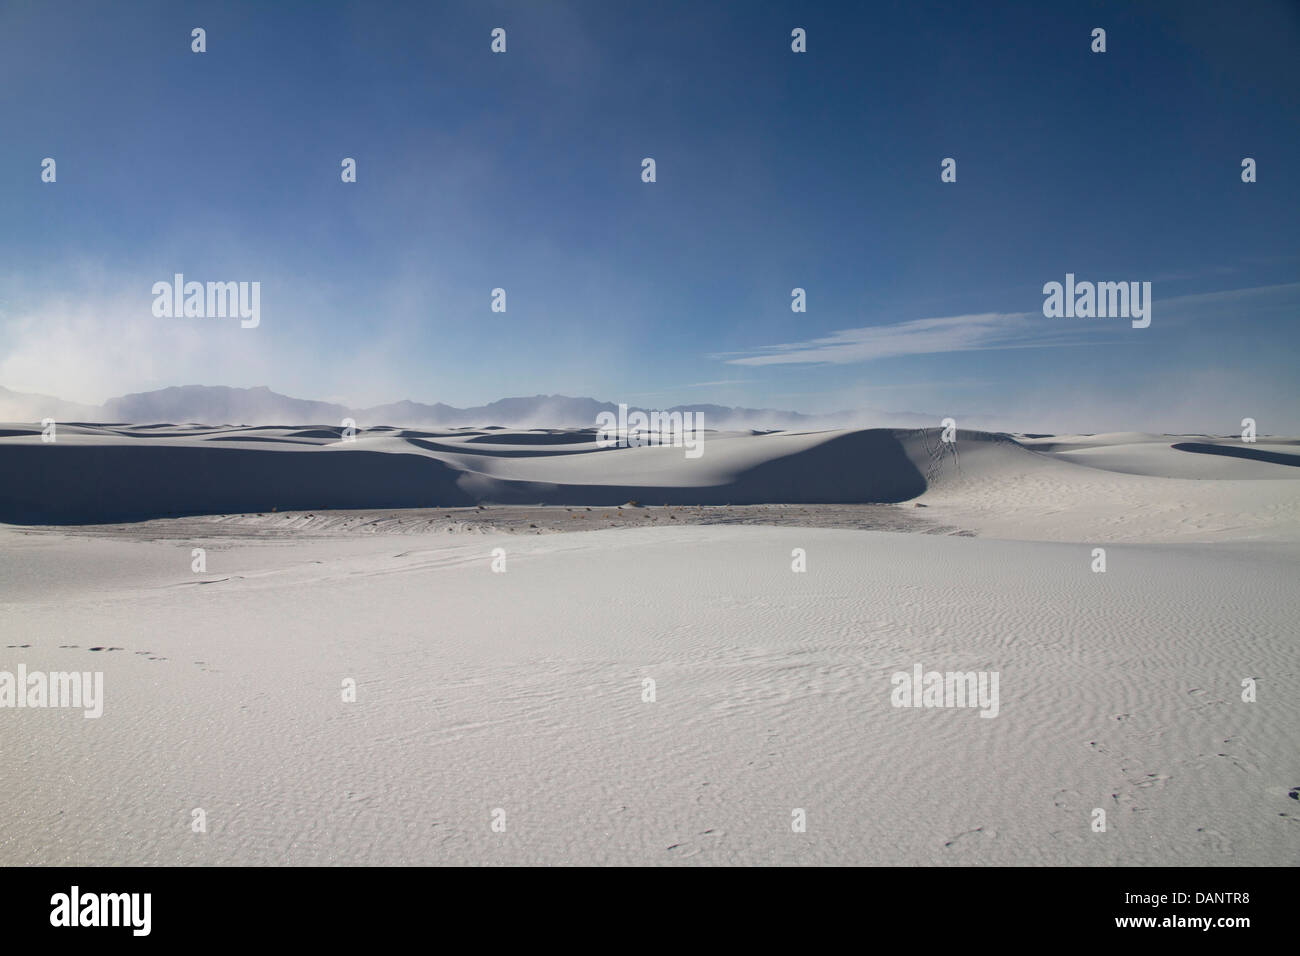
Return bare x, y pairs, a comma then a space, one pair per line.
146, 654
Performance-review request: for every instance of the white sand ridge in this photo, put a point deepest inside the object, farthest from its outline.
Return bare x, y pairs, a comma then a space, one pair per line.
1125, 487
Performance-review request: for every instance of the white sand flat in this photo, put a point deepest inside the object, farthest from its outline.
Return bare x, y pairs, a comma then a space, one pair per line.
523, 690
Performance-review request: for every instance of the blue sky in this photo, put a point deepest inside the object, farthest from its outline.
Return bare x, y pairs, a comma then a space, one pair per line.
775, 170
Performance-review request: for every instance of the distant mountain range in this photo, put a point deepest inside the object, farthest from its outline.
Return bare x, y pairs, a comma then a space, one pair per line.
221, 405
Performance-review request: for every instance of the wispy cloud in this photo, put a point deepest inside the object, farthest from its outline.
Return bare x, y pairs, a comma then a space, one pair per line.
954, 333
996, 330
1285, 291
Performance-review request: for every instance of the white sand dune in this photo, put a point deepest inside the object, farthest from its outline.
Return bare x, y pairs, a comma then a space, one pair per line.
96, 473
523, 690
1166, 456
1123, 488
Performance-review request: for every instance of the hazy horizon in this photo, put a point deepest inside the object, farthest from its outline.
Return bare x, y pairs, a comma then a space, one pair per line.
549, 411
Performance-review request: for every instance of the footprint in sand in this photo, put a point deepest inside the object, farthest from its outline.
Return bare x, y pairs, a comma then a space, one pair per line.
1241, 763
689, 849
961, 841
1156, 780
1214, 840
1203, 698
1065, 800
